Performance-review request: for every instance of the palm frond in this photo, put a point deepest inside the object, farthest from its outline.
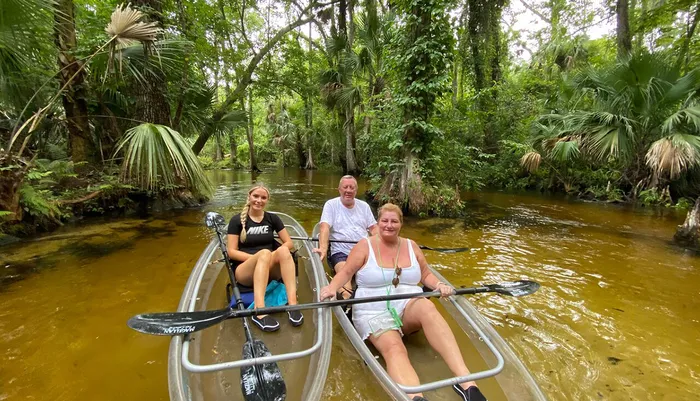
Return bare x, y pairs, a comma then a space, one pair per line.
674, 154
689, 116
608, 142
126, 27
531, 161
157, 157
231, 120
348, 96
565, 149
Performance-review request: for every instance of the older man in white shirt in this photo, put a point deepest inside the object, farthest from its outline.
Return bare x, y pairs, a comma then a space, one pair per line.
345, 219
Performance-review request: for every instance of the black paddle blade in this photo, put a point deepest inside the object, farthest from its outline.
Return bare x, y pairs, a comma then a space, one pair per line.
515, 288
261, 382
177, 323
443, 250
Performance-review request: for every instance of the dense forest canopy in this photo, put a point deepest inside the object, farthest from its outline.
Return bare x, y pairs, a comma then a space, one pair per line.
104, 105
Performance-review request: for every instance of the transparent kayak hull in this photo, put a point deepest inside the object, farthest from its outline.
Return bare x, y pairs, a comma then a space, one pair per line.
497, 370
205, 366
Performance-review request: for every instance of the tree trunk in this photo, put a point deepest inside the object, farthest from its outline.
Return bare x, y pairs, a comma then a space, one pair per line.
624, 37
10, 181
682, 60
301, 156
251, 145
186, 30
80, 144
234, 148
349, 110
218, 153
310, 165
349, 129
151, 104
309, 106
689, 233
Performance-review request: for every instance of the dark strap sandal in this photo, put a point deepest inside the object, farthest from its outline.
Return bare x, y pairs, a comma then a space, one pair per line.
471, 394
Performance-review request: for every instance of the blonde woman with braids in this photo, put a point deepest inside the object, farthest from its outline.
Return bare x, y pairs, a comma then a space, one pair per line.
256, 257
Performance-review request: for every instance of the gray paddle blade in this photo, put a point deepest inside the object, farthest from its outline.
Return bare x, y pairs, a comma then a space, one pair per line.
515, 288
261, 382
214, 220
177, 323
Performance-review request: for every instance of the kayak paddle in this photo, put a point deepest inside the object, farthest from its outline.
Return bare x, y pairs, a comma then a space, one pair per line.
258, 382
443, 250
174, 323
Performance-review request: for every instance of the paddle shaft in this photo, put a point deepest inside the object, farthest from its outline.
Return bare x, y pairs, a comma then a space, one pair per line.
343, 302
234, 287
340, 241
254, 383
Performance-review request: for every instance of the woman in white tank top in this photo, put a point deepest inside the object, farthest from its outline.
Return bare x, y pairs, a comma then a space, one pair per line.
387, 264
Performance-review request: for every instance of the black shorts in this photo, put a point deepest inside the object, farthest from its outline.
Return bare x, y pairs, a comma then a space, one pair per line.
335, 259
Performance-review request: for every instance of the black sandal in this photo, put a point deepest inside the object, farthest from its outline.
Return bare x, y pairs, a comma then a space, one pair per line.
471, 394
295, 318
267, 323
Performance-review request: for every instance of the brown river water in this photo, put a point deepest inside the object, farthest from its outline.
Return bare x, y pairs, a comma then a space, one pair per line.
617, 317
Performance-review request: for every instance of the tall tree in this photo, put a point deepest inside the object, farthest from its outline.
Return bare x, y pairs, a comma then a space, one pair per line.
246, 75
624, 35
424, 68
151, 103
682, 60
72, 79
249, 131
348, 106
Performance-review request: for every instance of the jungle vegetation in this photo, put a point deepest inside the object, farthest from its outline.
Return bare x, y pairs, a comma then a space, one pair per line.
105, 105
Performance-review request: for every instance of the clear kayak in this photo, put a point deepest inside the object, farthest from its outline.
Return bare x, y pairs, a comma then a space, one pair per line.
206, 365
499, 373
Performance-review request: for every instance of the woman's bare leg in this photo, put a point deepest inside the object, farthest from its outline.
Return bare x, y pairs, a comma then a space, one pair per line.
394, 352
283, 258
256, 271
421, 313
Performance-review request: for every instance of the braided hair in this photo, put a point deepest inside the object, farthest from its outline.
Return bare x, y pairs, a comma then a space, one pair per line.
246, 208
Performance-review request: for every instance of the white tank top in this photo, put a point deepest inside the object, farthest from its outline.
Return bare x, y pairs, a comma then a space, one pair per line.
373, 280
371, 275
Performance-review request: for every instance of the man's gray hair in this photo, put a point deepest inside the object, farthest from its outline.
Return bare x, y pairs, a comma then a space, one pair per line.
346, 177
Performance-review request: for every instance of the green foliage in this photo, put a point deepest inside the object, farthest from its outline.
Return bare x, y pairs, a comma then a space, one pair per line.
157, 157
38, 203
629, 114
422, 58
684, 204
654, 197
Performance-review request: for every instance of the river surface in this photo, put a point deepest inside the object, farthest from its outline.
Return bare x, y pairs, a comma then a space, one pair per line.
617, 317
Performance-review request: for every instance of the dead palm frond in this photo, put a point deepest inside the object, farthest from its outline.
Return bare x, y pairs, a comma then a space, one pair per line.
126, 29
531, 161
674, 154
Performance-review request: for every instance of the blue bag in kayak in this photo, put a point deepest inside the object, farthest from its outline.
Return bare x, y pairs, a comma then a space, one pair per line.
275, 295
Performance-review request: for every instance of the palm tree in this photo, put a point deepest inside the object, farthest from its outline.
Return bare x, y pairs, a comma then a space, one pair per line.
125, 28
638, 112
